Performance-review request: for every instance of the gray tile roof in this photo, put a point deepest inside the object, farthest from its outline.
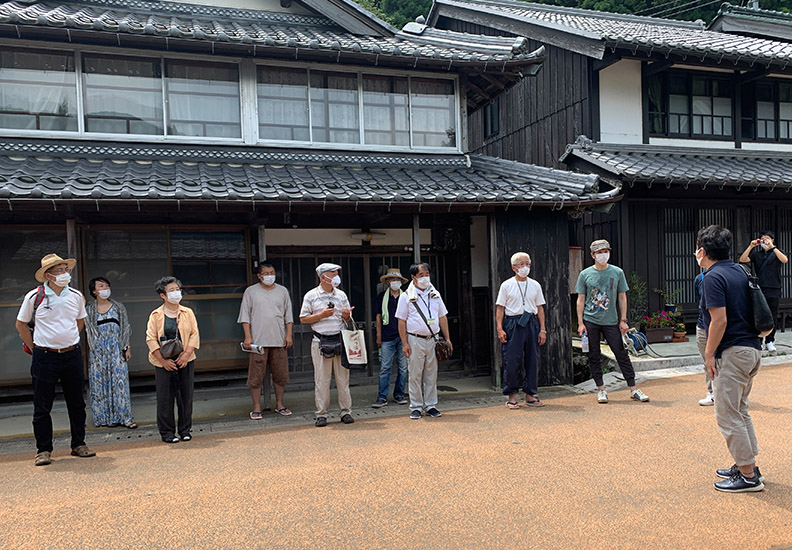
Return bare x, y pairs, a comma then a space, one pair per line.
54, 171
754, 22
655, 165
611, 30
260, 29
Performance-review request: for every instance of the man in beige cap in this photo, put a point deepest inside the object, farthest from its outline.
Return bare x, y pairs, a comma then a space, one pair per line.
599, 289
327, 309
58, 312
388, 340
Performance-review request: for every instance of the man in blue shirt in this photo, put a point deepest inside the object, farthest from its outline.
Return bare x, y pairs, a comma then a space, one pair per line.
732, 356
388, 340
701, 335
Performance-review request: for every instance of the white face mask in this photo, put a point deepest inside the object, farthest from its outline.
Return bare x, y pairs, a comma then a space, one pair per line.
174, 296
602, 258
395, 285
698, 260
423, 282
335, 281
104, 294
765, 246
524, 271
268, 279
63, 279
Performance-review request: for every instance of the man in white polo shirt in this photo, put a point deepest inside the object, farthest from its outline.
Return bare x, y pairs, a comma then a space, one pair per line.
326, 309
519, 316
417, 336
59, 315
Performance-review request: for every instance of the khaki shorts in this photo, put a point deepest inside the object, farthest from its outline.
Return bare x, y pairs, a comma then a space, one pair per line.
274, 359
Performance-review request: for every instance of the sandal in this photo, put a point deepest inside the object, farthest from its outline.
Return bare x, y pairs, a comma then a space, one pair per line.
513, 405
535, 403
131, 425
255, 415
283, 411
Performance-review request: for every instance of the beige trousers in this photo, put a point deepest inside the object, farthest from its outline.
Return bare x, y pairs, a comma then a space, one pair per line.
324, 369
736, 370
701, 342
423, 373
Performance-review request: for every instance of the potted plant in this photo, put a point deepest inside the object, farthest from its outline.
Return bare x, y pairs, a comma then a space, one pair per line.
670, 298
679, 332
659, 326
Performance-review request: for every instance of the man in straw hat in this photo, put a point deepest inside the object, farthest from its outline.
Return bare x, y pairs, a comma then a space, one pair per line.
326, 309
59, 315
388, 339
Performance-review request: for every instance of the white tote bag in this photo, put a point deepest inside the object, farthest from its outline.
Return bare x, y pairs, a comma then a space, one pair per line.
355, 346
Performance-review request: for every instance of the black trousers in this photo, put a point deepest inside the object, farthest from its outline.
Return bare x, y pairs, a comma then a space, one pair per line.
613, 337
47, 368
174, 386
520, 341
773, 298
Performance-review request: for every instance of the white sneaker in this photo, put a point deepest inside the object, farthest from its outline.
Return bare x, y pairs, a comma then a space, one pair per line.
638, 395
602, 396
771, 347
707, 401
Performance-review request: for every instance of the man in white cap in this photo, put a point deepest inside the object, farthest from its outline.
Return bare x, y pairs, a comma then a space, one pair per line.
600, 288
58, 312
327, 309
388, 340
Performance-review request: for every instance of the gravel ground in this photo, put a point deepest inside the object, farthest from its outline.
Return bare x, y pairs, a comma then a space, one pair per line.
574, 474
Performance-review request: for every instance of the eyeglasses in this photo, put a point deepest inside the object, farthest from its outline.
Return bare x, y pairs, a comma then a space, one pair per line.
60, 270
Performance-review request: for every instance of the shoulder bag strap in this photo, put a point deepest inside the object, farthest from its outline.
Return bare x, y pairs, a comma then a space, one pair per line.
421, 313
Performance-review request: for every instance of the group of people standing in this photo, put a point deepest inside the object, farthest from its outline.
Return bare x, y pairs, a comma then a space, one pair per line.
409, 323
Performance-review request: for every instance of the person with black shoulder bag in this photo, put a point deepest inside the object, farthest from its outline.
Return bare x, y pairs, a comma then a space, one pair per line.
422, 318
326, 308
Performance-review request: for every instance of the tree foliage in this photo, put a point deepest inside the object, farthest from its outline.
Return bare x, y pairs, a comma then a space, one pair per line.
399, 12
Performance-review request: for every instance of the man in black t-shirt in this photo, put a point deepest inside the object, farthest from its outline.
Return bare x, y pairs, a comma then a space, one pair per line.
767, 260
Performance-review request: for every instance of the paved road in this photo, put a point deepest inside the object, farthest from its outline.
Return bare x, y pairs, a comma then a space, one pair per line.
572, 475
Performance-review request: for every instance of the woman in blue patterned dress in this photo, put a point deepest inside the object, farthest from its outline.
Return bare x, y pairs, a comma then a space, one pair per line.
107, 328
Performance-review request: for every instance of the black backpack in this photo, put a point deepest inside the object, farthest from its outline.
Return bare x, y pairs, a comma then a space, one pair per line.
759, 315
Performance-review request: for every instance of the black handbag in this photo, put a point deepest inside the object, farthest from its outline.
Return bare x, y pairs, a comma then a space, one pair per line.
171, 349
442, 349
759, 314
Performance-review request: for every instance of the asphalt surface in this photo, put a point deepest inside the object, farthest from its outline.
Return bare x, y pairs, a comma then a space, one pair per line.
574, 474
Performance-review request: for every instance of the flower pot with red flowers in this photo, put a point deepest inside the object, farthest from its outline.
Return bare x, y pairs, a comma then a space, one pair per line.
659, 327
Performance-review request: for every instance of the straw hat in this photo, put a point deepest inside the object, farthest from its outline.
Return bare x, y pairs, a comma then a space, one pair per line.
393, 273
51, 260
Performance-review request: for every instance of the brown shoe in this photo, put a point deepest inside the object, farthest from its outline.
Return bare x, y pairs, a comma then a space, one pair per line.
42, 459
83, 451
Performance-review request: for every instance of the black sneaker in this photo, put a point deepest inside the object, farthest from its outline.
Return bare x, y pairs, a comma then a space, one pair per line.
434, 413
400, 400
738, 483
726, 473
347, 419
321, 422
415, 415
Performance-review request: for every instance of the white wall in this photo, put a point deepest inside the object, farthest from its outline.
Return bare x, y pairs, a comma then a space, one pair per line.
340, 237
479, 253
691, 143
620, 102
262, 5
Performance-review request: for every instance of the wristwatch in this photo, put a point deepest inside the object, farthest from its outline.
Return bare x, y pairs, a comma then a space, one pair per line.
543, 330
622, 320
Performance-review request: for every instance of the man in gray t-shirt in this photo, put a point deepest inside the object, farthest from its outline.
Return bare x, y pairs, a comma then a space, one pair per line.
602, 294
266, 319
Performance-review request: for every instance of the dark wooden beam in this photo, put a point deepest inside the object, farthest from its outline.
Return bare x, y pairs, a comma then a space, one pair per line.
605, 62
656, 67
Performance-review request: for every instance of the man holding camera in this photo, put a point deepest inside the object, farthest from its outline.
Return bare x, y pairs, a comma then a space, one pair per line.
767, 260
327, 309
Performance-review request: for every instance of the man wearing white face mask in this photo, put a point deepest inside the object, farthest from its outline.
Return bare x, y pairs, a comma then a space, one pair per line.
388, 340
422, 314
59, 315
266, 319
520, 320
327, 309
599, 287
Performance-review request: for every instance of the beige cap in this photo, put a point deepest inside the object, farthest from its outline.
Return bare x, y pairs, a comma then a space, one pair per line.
600, 244
51, 260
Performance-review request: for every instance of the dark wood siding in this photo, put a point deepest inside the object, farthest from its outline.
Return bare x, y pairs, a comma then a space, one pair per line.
536, 232
541, 114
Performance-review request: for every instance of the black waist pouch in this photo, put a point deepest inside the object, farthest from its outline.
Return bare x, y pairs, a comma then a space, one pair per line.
331, 345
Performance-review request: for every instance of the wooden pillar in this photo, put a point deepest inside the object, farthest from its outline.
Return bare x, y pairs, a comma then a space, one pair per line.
494, 285
467, 312
416, 238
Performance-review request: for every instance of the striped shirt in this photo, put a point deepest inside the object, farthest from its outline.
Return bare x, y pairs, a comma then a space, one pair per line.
316, 300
